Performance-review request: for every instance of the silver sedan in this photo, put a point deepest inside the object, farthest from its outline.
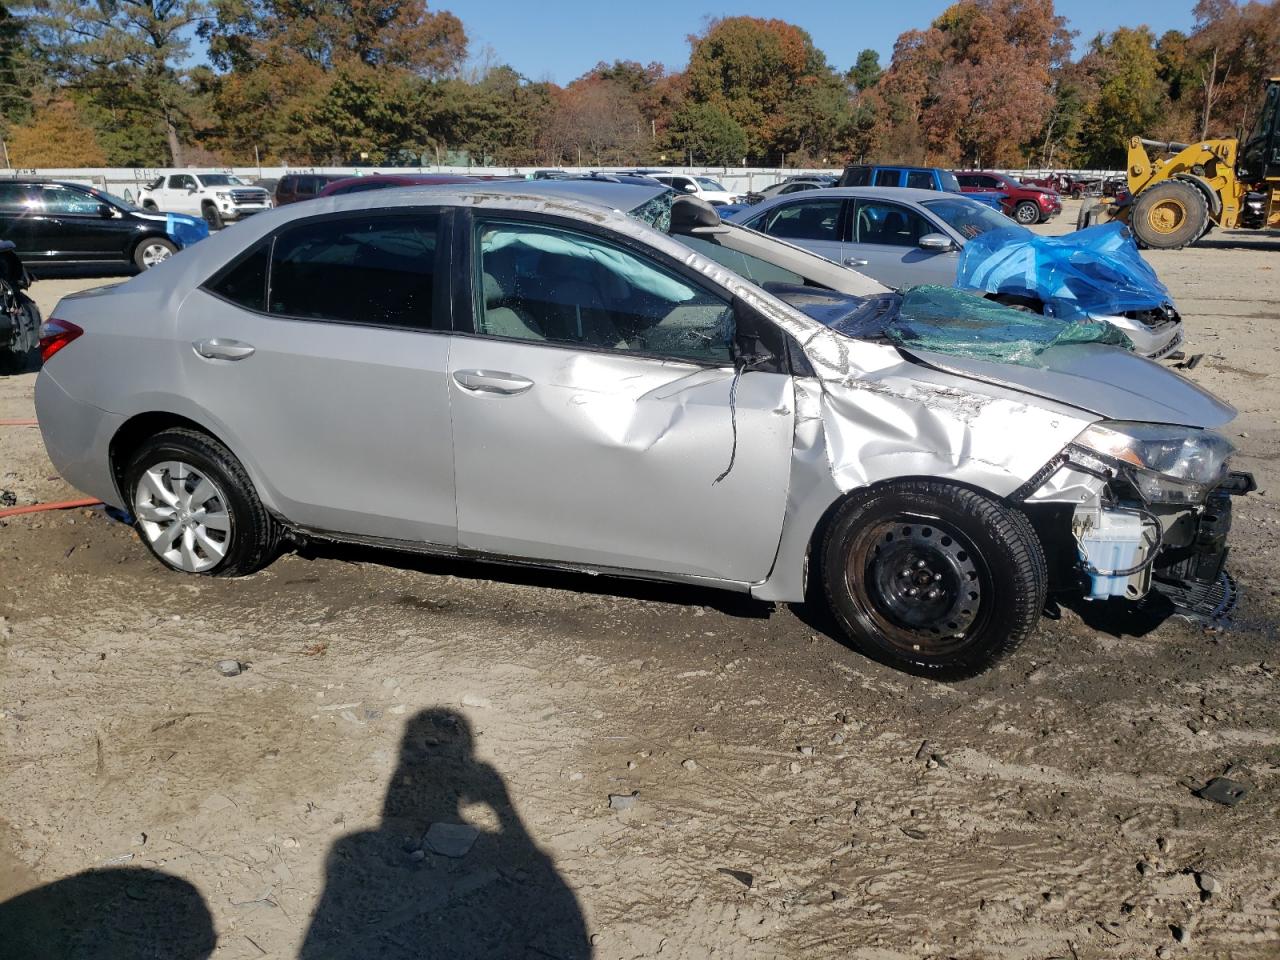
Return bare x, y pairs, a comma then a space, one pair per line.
604, 377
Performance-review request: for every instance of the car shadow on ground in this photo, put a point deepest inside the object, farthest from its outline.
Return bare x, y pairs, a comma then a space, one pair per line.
449, 871
1228, 241
426, 882
1120, 618
653, 591
109, 914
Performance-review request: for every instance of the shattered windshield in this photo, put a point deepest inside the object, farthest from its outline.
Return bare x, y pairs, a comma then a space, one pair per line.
968, 217
656, 212
951, 321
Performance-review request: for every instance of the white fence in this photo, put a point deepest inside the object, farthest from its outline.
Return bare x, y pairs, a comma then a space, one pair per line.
126, 181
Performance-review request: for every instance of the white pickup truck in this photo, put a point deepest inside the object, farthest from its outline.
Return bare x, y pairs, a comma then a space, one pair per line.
218, 197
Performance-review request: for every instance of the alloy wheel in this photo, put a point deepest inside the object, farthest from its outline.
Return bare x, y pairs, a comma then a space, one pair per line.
184, 516
153, 253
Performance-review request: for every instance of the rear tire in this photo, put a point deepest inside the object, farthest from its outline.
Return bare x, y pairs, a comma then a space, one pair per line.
196, 508
1169, 215
976, 567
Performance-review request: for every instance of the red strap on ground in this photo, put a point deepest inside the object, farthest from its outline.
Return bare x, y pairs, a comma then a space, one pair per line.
19, 423
41, 507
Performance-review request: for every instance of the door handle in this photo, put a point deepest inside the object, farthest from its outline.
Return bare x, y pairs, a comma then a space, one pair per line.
216, 348
855, 262
492, 381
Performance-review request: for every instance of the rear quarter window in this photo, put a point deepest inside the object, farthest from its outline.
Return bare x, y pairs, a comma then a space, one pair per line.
244, 280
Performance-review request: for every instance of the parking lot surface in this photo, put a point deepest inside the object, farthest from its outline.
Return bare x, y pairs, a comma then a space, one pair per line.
648, 770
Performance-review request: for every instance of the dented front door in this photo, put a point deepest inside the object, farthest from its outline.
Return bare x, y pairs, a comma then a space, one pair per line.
599, 459
594, 410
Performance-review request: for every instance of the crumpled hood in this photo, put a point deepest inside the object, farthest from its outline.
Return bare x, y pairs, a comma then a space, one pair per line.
1111, 383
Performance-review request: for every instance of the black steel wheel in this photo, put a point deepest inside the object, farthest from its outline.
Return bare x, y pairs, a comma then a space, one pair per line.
933, 578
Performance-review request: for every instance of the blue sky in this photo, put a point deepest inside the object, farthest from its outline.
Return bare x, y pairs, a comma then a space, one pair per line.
563, 39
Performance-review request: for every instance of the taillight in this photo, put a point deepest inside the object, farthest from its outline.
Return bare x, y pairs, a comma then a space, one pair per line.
56, 334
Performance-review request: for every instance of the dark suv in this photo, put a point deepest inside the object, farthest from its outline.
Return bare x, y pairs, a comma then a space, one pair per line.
1025, 204
54, 223
303, 186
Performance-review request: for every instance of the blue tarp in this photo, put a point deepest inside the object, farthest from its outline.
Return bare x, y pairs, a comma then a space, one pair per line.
185, 230
1090, 273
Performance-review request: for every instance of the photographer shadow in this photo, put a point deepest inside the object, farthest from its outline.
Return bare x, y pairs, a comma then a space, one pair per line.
424, 884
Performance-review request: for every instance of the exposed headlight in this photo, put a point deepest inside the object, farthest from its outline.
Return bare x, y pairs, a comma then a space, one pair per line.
1168, 464
222, 194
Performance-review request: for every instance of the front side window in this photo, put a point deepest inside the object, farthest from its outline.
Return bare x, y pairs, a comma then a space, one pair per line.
888, 224
806, 220
373, 270
14, 198
968, 217
182, 181
887, 178
68, 202
546, 284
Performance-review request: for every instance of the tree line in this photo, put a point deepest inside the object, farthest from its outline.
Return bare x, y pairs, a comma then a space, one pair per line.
987, 83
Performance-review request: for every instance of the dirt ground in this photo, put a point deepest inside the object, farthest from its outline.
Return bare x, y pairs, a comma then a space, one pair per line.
776, 795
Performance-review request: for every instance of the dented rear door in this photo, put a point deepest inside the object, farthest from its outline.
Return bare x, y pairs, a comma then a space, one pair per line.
573, 447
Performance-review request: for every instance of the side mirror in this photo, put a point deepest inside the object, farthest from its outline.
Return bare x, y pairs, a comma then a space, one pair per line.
191, 189
106, 211
936, 243
690, 188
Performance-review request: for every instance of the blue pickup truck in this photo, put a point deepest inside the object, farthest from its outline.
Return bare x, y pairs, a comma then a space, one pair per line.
921, 178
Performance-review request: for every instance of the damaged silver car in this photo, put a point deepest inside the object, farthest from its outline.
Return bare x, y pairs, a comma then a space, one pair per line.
604, 377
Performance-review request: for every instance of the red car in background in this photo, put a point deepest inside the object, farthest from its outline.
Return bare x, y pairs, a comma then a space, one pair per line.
1025, 204
381, 181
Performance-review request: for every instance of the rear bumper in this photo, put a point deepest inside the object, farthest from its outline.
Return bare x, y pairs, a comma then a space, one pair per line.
77, 436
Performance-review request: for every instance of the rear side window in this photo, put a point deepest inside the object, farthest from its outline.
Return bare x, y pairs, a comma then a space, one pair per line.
806, 220
378, 270
856, 177
949, 181
920, 179
306, 186
888, 178
244, 282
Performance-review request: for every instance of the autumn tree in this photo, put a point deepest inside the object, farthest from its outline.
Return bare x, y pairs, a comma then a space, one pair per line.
979, 81
596, 121
56, 136
1130, 100
127, 52
756, 71
1237, 46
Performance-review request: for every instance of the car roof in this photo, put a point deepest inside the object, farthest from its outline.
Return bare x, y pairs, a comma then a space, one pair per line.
909, 194
394, 179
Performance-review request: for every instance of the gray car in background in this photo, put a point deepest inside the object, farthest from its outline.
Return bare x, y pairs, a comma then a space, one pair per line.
604, 377
904, 237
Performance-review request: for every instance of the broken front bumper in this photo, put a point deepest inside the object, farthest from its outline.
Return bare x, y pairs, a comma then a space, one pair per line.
1193, 576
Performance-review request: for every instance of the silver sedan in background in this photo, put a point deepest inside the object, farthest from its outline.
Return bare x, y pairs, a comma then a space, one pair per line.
904, 237
604, 377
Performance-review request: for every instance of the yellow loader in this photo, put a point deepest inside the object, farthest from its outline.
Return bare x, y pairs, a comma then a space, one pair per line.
1176, 199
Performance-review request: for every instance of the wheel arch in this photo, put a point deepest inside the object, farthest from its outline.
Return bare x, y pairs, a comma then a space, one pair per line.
1211, 196
131, 434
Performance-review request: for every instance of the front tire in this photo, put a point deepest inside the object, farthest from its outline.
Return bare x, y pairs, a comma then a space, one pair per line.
212, 217
933, 578
196, 508
1169, 215
1027, 213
